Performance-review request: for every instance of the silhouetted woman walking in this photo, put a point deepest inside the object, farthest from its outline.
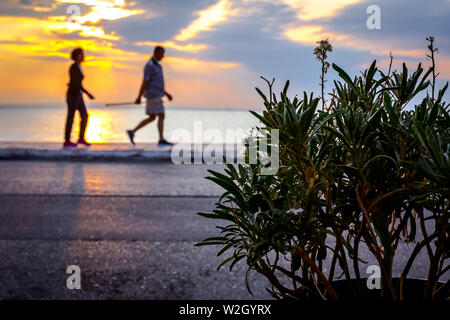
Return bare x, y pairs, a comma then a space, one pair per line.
75, 99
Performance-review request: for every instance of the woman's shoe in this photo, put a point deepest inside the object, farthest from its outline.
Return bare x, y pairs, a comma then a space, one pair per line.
69, 144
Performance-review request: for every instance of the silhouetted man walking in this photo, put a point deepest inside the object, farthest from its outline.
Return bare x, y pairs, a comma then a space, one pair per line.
153, 90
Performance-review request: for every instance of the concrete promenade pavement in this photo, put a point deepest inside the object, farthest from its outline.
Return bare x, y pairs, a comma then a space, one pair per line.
130, 227
116, 151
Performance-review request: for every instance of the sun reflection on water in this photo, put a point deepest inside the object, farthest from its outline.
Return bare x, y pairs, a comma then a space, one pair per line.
99, 126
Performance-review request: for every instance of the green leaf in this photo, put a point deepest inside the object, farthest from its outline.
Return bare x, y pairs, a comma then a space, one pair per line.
247, 277
224, 262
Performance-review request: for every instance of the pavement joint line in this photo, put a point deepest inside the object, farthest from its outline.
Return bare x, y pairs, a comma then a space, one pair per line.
102, 240
107, 195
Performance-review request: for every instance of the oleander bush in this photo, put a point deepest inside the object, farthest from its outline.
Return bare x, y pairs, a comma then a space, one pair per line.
370, 170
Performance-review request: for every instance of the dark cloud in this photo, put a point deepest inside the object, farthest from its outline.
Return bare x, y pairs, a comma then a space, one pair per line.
405, 23
162, 21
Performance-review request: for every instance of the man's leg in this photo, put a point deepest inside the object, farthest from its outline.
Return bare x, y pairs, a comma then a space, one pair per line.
144, 122
162, 141
161, 126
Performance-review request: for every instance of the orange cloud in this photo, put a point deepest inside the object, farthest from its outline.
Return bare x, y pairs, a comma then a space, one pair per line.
61, 25
218, 13
443, 67
18, 28
308, 10
103, 10
414, 53
195, 66
31, 37
313, 9
312, 33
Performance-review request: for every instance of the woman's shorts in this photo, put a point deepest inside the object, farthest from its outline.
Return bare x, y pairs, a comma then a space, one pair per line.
154, 106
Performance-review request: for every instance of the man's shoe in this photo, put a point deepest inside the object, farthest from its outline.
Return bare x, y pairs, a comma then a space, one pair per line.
69, 144
84, 142
163, 143
131, 136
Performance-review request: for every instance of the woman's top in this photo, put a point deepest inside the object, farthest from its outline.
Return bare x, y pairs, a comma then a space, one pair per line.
76, 78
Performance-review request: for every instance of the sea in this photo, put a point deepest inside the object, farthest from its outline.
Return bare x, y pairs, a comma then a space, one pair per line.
46, 122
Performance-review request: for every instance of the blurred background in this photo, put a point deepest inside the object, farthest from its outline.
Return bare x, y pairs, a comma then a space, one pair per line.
216, 51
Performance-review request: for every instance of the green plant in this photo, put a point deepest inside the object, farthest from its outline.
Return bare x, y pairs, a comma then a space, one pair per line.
365, 172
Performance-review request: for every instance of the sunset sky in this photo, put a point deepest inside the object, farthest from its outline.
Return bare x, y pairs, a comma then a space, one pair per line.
216, 49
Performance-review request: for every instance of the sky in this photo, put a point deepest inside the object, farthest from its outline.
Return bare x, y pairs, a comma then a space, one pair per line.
216, 50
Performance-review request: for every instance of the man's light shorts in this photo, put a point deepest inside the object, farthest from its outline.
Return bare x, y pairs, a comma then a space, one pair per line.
154, 106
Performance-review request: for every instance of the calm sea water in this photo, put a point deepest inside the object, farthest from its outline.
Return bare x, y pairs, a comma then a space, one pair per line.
45, 123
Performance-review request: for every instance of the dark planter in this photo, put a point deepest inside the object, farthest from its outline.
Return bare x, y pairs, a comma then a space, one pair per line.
413, 290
